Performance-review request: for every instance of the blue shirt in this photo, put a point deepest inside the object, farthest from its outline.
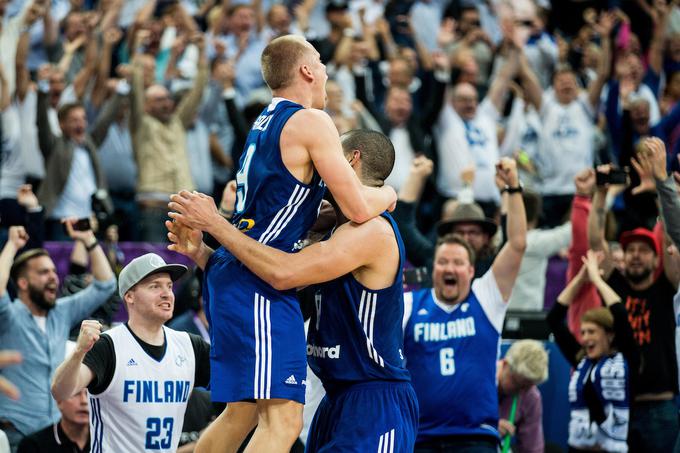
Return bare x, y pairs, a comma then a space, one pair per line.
42, 351
451, 353
355, 334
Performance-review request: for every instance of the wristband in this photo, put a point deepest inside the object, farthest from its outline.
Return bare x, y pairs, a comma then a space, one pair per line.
92, 246
511, 190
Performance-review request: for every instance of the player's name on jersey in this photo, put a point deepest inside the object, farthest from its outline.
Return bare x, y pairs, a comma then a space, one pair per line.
156, 391
441, 331
324, 352
262, 122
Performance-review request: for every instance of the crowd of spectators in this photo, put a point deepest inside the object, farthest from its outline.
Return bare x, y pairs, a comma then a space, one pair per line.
107, 107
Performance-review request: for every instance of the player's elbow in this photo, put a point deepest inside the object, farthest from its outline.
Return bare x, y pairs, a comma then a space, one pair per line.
282, 280
359, 214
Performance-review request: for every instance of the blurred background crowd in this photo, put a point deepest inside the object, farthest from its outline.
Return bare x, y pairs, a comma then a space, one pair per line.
107, 107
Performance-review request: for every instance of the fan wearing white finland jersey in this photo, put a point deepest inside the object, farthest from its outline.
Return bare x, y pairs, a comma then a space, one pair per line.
139, 375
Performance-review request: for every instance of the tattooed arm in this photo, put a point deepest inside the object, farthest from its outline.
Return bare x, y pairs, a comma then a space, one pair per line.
596, 224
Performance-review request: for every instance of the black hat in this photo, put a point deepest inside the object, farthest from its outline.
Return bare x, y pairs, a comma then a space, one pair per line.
336, 5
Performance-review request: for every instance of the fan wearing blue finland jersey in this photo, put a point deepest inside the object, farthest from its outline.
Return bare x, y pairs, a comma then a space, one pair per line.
452, 334
291, 154
355, 342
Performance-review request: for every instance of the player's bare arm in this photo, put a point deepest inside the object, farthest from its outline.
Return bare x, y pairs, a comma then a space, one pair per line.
352, 247
357, 202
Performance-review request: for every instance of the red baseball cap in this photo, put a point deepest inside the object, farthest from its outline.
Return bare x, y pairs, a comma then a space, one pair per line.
640, 234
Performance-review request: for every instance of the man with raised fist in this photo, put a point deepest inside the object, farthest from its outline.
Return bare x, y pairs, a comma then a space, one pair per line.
139, 375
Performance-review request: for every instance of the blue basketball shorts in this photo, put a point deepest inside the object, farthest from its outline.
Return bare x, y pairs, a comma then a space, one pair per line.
377, 416
258, 347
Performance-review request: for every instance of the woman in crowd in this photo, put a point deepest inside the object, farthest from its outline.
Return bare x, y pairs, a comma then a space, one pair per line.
605, 365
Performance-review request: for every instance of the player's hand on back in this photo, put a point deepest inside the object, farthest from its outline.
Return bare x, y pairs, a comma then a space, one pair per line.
90, 330
184, 239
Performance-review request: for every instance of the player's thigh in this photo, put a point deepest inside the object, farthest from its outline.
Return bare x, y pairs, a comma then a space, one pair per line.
374, 418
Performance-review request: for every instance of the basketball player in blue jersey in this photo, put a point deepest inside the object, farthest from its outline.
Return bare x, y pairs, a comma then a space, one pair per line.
355, 338
452, 334
291, 154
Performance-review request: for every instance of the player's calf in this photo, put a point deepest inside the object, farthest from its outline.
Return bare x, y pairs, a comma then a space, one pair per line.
279, 425
227, 433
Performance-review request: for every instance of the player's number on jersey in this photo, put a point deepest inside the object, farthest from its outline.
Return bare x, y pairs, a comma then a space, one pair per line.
446, 362
159, 433
242, 180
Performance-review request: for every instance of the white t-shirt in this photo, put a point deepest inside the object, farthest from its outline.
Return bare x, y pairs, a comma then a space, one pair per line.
403, 157
34, 162
76, 198
463, 144
566, 143
12, 170
522, 133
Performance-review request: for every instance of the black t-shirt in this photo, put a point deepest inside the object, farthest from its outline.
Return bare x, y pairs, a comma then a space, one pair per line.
651, 317
50, 440
101, 359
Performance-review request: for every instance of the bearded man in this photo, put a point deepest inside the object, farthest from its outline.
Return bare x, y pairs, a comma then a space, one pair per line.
37, 325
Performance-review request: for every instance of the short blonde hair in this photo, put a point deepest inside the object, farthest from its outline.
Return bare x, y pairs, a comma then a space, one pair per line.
529, 359
281, 58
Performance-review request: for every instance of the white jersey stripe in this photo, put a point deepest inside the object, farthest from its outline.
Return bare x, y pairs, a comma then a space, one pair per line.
297, 205
380, 443
269, 350
95, 425
281, 216
364, 311
367, 309
263, 349
284, 215
256, 318
391, 441
373, 298
278, 215
100, 425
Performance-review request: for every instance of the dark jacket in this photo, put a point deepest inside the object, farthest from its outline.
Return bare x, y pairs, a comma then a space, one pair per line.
58, 151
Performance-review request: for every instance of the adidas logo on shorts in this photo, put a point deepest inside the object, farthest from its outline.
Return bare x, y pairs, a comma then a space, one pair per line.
291, 380
131, 362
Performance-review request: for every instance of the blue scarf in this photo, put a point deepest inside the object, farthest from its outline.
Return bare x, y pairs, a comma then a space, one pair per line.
609, 380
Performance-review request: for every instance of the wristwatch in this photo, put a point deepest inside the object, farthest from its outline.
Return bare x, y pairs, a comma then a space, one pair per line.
511, 190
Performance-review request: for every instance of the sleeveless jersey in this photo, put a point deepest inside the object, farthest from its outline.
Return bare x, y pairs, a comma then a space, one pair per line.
451, 354
272, 206
610, 380
143, 407
355, 334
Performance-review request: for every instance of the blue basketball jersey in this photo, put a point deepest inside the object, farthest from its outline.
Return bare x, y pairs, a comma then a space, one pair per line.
355, 334
451, 353
272, 206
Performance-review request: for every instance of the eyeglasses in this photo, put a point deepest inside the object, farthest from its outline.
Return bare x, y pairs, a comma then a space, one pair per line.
468, 231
